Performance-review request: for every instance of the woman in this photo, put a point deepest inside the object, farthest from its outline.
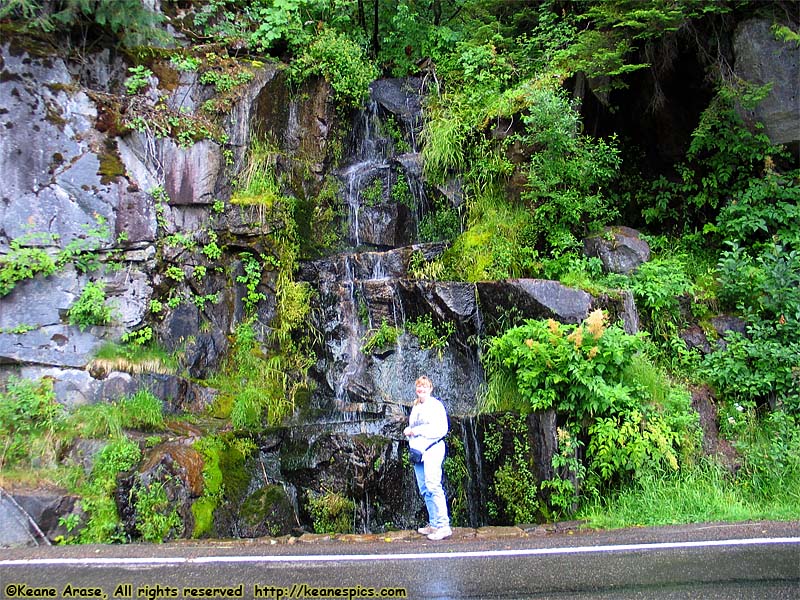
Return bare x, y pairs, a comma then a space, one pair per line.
426, 429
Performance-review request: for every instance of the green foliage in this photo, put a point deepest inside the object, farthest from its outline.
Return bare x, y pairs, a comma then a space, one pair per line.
129, 19
30, 417
101, 420
251, 279
456, 475
445, 140
759, 277
138, 80
428, 334
157, 518
224, 82
562, 491
90, 308
566, 172
211, 447
82, 251
378, 340
278, 20
372, 195
583, 372
143, 410
498, 245
343, 64
97, 496
513, 483
331, 512
770, 447
441, 224
658, 286
723, 157
262, 386
139, 337
22, 263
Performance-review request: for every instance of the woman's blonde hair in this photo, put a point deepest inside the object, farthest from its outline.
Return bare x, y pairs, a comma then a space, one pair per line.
423, 380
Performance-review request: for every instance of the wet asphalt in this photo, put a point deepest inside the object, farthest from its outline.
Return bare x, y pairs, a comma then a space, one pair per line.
713, 560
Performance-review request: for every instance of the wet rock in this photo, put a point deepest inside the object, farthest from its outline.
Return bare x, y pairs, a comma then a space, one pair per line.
268, 511
761, 59
45, 507
179, 469
533, 299
619, 248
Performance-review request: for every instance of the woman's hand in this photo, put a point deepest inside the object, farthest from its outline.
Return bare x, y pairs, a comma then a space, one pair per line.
408, 432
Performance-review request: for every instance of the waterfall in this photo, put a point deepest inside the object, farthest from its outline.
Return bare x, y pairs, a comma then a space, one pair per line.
475, 484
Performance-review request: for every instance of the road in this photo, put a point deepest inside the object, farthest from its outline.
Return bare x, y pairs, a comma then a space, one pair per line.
752, 560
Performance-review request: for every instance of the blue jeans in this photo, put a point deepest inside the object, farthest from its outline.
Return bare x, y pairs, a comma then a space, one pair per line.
429, 482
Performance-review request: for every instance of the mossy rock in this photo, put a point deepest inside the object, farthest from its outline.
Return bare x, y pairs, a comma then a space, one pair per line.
267, 512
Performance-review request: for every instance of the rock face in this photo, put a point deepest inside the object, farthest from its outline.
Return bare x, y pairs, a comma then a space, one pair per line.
149, 218
762, 59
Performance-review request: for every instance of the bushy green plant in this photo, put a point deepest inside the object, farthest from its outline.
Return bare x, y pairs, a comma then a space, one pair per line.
22, 263
100, 420
759, 277
770, 449
343, 64
157, 518
567, 171
143, 410
513, 483
457, 477
723, 157
29, 414
103, 525
90, 308
139, 79
440, 224
581, 371
381, 338
331, 512
429, 334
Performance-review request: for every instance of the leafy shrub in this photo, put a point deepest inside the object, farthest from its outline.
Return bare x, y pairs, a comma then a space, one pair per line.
23, 263
28, 413
759, 277
343, 64
428, 334
513, 484
379, 339
581, 371
157, 518
97, 496
138, 80
331, 512
442, 223
90, 309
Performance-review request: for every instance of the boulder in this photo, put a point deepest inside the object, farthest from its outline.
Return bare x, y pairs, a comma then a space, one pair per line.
761, 58
619, 248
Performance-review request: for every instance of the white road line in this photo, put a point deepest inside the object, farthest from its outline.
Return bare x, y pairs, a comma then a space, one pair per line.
155, 561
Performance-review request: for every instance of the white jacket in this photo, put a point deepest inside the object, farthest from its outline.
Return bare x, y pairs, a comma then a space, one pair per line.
429, 421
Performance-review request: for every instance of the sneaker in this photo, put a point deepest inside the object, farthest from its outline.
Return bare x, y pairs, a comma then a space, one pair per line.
427, 530
441, 533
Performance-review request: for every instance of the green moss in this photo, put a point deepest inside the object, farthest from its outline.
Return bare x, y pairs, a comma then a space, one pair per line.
331, 512
203, 511
111, 165
235, 476
271, 507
